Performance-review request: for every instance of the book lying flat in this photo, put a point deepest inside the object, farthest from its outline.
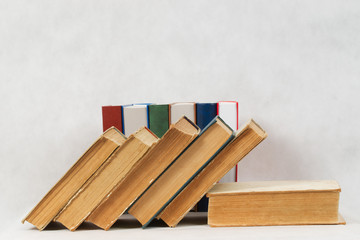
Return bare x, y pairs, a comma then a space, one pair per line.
59, 195
159, 118
134, 116
158, 158
228, 111
245, 140
106, 178
274, 203
112, 117
187, 165
177, 110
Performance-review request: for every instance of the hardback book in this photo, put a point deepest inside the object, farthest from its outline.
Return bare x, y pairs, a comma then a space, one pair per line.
245, 140
228, 111
158, 158
106, 178
159, 118
184, 168
179, 109
134, 116
60, 194
274, 203
205, 112
112, 116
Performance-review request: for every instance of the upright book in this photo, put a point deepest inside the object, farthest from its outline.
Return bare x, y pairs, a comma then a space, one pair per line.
134, 116
179, 109
179, 174
274, 203
112, 117
245, 140
229, 112
106, 178
159, 118
175, 140
63, 191
205, 112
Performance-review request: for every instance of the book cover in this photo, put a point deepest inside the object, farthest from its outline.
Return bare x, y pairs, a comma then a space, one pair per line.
112, 117
159, 118
179, 109
135, 116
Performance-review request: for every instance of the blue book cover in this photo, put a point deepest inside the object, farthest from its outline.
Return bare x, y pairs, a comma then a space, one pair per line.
205, 112
217, 118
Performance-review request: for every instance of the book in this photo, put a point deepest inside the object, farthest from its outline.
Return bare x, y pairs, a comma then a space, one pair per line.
112, 116
229, 112
61, 193
158, 158
274, 203
159, 118
186, 166
245, 140
205, 112
134, 116
177, 110
106, 178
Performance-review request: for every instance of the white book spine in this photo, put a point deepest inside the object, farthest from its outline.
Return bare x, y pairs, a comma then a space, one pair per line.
177, 110
228, 111
135, 117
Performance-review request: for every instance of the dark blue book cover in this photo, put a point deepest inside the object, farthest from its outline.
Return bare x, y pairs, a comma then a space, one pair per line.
205, 112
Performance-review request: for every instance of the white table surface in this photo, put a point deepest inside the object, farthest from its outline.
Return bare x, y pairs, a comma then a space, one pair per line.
194, 226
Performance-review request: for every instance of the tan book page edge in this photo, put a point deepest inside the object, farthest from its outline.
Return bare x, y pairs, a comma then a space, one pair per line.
144, 135
181, 127
97, 141
169, 210
340, 221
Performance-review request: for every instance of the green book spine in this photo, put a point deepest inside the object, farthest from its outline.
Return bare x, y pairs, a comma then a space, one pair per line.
159, 119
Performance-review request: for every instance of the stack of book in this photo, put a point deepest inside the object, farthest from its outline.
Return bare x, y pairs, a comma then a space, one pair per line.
154, 162
146, 176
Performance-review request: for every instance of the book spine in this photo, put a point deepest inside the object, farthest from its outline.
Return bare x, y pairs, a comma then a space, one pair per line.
112, 116
205, 113
229, 112
159, 119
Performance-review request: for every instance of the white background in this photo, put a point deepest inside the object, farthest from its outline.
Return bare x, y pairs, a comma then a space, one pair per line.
294, 66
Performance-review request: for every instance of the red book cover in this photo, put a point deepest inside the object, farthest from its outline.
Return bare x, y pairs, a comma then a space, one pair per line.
111, 116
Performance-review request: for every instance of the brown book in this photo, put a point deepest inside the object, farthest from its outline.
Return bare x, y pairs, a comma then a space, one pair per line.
175, 140
106, 178
274, 203
182, 171
245, 140
59, 195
